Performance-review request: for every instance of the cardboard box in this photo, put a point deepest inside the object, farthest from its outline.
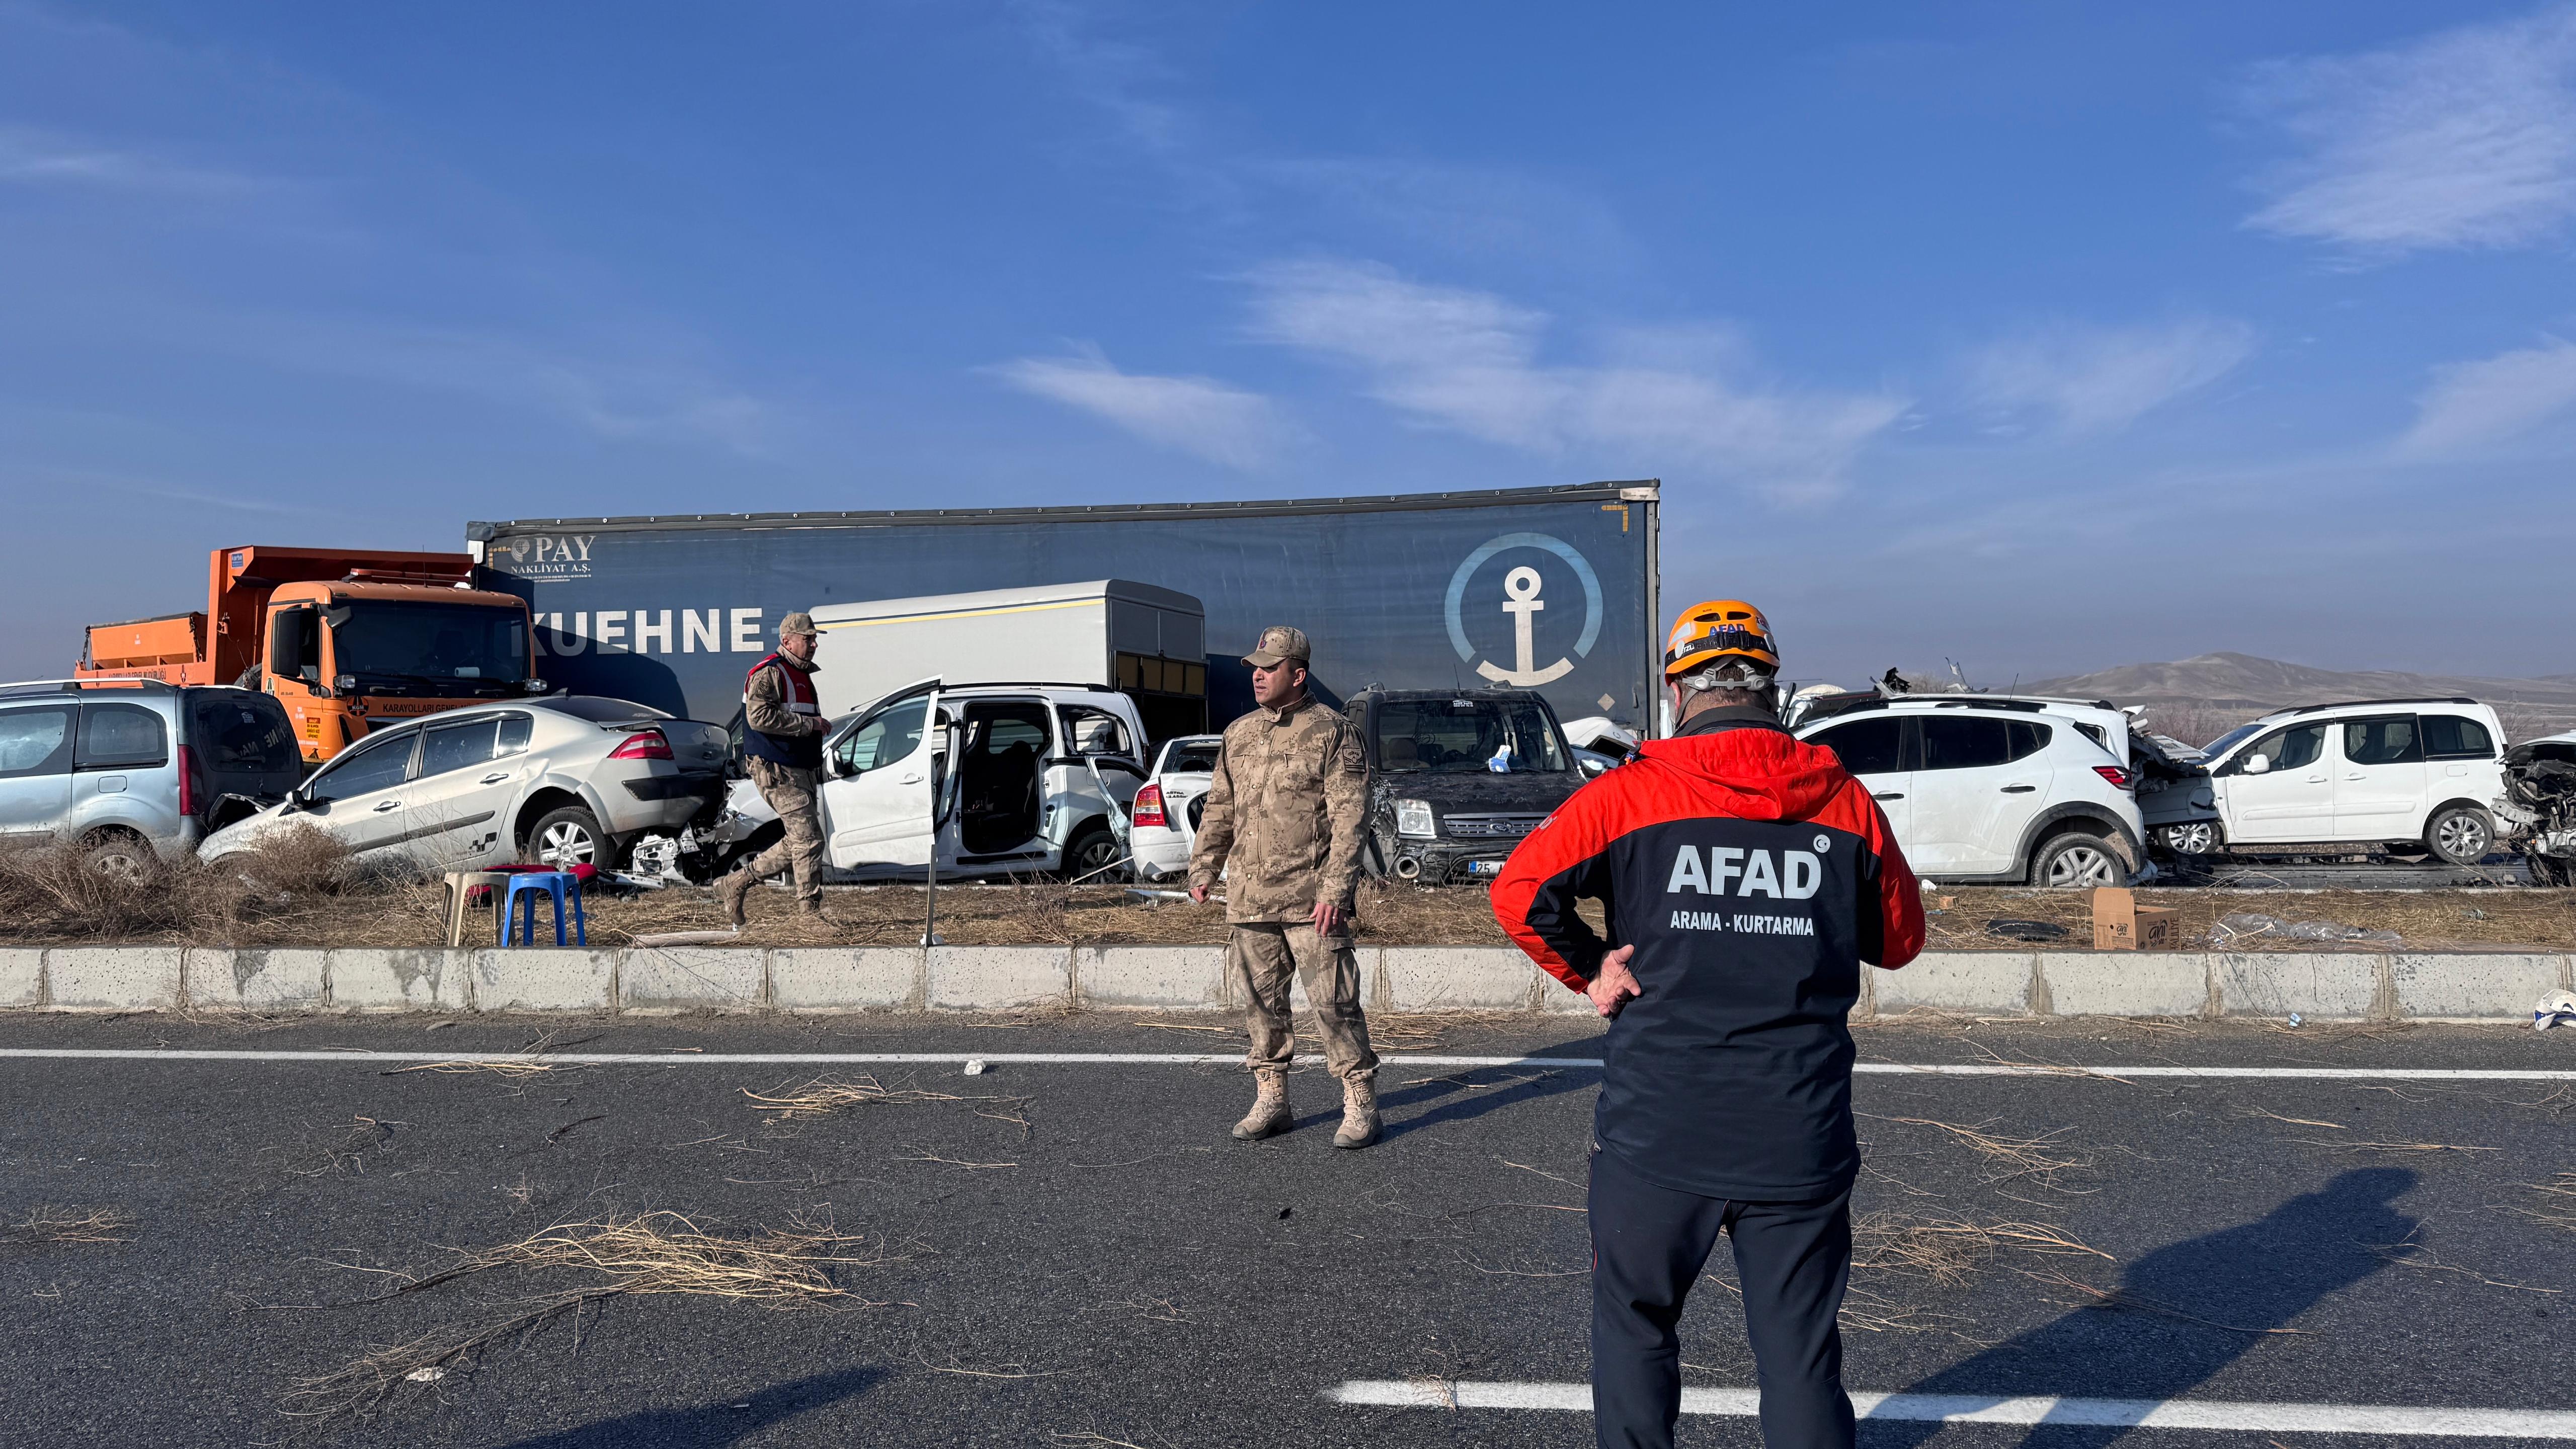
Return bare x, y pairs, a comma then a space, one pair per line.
2121, 924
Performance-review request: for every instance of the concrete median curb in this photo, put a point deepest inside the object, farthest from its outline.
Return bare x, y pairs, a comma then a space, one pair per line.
2403, 986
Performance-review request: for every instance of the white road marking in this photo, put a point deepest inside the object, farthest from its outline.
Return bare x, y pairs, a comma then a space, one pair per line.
2213, 1414
1204, 1059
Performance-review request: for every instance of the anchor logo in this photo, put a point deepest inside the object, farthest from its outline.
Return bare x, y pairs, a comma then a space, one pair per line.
1521, 589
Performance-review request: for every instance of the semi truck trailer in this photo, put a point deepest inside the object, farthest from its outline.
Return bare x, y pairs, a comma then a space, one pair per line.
345, 640
1552, 589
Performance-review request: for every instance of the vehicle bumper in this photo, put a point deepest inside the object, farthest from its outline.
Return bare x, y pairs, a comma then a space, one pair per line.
1444, 862
1160, 854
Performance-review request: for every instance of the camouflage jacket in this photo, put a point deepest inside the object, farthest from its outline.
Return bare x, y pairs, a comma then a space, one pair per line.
765, 705
1286, 814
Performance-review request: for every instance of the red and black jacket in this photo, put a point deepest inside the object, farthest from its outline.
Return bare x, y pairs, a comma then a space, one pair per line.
1753, 875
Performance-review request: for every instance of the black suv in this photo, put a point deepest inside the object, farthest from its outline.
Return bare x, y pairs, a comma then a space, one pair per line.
1457, 777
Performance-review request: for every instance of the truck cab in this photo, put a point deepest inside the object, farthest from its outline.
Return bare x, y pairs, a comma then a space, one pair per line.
345, 641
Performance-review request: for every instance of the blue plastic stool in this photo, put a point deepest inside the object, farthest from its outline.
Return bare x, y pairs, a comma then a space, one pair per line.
554, 883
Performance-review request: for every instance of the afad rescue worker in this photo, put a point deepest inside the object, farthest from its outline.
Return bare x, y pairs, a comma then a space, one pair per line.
1285, 817
782, 747
1744, 876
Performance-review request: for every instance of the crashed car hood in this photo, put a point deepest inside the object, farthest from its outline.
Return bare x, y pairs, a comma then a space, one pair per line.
1482, 793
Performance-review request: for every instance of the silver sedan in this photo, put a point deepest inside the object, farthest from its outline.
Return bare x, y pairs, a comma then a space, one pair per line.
566, 781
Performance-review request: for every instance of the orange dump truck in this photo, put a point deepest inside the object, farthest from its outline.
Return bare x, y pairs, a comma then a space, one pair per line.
343, 639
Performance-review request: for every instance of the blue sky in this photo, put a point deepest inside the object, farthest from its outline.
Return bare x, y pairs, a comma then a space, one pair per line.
2043, 337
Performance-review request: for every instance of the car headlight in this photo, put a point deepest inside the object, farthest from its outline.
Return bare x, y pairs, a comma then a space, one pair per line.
1413, 819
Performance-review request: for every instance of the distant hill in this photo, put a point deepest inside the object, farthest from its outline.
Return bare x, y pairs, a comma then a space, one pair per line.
2229, 688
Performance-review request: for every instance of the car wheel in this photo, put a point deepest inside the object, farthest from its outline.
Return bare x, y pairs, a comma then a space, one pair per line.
121, 857
568, 837
1092, 856
2074, 862
2460, 834
2200, 837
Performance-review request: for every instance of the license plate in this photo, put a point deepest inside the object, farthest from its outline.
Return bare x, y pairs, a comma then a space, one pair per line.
1484, 867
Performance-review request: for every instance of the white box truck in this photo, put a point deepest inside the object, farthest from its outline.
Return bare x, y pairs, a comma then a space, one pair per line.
1147, 643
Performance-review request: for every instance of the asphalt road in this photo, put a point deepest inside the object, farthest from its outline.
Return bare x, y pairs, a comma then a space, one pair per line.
1075, 1255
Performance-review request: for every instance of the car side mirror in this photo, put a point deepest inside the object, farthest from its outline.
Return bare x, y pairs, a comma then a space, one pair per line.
2258, 765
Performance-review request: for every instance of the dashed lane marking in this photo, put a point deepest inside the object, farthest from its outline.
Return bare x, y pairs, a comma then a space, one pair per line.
1199, 1059
2390, 1420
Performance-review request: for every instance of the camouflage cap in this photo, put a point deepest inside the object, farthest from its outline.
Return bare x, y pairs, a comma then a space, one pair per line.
1279, 642
799, 622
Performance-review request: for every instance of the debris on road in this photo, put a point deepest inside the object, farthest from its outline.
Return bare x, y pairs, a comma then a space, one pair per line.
2243, 926
66, 1225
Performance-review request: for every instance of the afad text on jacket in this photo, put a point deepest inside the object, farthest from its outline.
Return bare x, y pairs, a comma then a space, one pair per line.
1754, 876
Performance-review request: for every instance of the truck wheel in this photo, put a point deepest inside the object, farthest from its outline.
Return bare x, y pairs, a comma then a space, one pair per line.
567, 837
2460, 834
1091, 854
122, 857
2071, 862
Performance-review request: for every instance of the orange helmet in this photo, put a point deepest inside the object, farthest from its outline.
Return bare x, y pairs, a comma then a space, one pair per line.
1717, 630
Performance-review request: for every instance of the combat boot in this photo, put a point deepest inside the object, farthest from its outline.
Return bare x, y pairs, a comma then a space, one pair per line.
1269, 1115
1359, 1112
729, 894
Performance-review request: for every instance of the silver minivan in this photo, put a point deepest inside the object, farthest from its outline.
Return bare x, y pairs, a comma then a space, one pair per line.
135, 771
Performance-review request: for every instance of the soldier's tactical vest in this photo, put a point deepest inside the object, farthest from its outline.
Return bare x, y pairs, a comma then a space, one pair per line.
803, 752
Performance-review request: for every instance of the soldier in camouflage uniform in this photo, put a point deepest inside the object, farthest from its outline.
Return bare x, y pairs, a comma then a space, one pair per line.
783, 731
1287, 813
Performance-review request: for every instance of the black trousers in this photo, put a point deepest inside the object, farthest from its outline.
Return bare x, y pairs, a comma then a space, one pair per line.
1793, 1260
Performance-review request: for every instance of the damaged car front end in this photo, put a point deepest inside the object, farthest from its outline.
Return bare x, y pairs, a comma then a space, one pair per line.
1457, 778
2538, 808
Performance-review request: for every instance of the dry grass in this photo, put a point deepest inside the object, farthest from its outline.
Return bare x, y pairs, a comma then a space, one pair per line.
2560, 1210
824, 1096
44, 1225
2428, 920
649, 1254
2007, 1159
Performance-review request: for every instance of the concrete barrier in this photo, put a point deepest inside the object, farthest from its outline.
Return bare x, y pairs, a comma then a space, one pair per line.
255, 980
415, 980
112, 978
2475, 986
841, 978
1989, 983
534, 978
1151, 978
998, 978
2312, 984
692, 978
1455, 978
2124, 983
22, 977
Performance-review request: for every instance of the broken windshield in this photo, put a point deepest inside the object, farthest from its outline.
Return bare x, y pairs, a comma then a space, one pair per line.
1459, 735
431, 643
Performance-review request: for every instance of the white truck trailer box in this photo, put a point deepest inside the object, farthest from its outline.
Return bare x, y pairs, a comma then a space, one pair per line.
1147, 643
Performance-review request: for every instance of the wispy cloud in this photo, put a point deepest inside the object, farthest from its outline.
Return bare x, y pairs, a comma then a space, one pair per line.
2466, 138
1469, 362
2101, 379
2477, 404
1195, 415
45, 158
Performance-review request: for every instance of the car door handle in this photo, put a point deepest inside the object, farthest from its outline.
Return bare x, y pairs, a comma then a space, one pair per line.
912, 779
2320, 779
1890, 795
388, 805
2348, 774
2019, 789
496, 777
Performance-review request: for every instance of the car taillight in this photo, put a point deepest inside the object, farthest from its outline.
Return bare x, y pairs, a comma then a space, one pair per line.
2118, 777
649, 745
1149, 806
192, 785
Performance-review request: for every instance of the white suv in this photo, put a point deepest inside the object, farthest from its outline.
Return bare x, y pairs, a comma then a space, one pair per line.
2411, 773
1997, 790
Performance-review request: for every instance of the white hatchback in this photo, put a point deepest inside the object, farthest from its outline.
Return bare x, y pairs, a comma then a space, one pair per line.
2410, 773
1166, 820
1988, 789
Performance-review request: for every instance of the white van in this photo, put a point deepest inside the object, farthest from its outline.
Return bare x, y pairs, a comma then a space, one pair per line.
992, 779
2408, 773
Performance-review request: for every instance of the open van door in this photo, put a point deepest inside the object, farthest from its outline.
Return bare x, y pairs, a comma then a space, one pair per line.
880, 780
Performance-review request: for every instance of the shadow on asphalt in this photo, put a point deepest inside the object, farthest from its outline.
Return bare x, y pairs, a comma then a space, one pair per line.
1460, 1102
2212, 1299
710, 1426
